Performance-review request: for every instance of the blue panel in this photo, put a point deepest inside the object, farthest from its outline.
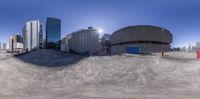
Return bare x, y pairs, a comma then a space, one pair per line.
133, 50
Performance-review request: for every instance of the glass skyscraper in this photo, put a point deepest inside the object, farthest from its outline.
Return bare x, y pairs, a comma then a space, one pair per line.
53, 33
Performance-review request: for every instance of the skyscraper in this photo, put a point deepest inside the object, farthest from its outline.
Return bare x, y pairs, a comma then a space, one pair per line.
41, 36
11, 40
32, 35
53, 33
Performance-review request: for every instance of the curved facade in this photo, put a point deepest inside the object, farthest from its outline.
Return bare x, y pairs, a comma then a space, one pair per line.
148, 39
84, 41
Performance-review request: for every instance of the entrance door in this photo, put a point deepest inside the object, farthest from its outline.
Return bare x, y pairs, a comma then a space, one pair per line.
133, 50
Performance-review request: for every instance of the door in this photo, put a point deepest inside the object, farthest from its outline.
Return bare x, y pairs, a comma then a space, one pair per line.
133, 50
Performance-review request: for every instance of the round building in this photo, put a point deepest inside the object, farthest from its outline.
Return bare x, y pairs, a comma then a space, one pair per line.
141, 39
84, 41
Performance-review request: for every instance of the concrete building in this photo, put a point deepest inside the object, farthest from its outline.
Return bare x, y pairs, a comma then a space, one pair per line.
105, 43
4, 47
190, 49
84, 41
198, 44
64, 45
197, 47
11, 43
141, 39
16, 43
32, 35
53, 33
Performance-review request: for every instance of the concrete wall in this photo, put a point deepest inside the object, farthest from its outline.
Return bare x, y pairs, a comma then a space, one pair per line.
64, 45
149, 39
31, 35
84, 41
144, 48
141, 33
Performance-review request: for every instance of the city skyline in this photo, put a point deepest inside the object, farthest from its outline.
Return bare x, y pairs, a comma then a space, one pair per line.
181, 17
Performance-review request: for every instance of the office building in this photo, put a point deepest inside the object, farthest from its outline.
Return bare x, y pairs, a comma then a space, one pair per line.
53, 33
16, 43
11, 40
32, 35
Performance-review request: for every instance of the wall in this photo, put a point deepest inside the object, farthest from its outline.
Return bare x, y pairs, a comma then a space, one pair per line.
84, 41
144, 48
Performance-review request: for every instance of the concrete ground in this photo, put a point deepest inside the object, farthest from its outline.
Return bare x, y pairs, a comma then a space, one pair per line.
4, 55
47, 74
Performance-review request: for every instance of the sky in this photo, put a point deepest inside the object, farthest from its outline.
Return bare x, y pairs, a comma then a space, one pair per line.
181, 17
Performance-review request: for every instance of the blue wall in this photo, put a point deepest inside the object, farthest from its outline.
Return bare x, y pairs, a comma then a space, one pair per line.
133, 50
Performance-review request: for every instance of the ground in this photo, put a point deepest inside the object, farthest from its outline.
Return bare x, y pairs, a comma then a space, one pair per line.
47, 74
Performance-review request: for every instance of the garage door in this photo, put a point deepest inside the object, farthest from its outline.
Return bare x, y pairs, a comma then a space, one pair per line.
133, 50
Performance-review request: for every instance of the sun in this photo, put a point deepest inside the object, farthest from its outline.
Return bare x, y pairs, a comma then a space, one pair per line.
100, 30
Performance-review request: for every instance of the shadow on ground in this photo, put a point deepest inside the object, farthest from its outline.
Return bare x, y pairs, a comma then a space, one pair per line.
50, 58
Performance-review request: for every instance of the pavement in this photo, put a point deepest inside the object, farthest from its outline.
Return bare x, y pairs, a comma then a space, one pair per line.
5, 55
48, 74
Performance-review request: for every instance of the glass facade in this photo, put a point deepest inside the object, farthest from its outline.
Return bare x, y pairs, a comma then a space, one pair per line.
41, 37
53, 33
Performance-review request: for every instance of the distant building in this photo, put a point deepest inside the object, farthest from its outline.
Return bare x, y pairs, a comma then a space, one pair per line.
184, 49
32, 35
11, 40
190, 48
53, 33
176, 49
4, 46
64, 45
141, 39
16, 43
105, 43
84, 41
198, 44
18, 38
0, 46
197, 47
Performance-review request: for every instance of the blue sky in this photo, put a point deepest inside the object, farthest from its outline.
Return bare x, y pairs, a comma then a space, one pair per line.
181, 17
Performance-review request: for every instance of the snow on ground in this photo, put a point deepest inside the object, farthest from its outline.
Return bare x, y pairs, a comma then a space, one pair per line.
49, 74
